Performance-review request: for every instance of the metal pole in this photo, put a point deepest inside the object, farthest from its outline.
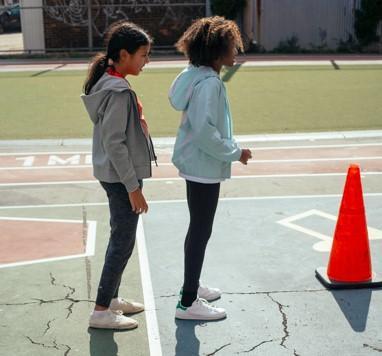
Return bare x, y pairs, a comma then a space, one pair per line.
208, 8
90, 28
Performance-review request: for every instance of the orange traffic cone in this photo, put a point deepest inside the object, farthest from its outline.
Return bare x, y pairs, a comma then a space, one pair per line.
350, 263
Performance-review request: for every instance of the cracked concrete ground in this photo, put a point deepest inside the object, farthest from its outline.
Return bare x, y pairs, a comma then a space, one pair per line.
274, 303
44, 308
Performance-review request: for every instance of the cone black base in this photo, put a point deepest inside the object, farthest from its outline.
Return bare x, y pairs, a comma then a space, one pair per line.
322, 276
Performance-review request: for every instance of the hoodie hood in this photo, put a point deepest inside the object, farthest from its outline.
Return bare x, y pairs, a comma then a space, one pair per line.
95, 101
184, 84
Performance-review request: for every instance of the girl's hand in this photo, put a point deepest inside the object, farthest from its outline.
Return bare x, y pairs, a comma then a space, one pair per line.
138, 202
246, 154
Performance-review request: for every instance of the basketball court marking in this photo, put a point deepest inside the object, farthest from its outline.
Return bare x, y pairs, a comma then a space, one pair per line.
69, 205
259, 176
326, 243
90, 241
148, 294
150, 312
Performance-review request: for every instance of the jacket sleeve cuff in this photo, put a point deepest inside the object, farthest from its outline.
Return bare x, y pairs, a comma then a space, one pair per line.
132, 185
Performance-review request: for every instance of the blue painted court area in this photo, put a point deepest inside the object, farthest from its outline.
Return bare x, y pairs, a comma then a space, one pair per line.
263, 254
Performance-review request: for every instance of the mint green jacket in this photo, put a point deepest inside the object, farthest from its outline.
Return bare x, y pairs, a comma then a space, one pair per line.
204, 145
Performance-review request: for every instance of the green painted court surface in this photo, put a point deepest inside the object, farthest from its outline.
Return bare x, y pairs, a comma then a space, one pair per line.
263, 100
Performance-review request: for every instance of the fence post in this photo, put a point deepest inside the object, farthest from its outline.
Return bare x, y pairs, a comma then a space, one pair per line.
90, 28
208, 8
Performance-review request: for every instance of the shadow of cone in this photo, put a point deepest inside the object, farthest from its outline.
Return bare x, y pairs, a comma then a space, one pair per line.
350, 262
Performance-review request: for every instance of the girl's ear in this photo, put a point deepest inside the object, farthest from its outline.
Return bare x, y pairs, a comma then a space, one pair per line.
123, 55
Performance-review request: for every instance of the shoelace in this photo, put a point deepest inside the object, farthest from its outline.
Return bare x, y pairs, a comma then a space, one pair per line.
118, 314
204, 303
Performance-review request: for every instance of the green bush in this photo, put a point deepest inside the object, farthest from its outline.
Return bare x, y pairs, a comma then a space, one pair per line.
228, 8
289, 45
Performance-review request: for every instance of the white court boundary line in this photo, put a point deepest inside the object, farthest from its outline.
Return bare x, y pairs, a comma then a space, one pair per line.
269, 197
170, 179
42, 153
148, 294
90, 241
326, 243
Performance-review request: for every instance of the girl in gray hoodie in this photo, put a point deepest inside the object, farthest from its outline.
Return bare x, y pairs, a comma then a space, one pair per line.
122, 155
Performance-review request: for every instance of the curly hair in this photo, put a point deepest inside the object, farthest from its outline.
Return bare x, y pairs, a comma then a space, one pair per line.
208, 39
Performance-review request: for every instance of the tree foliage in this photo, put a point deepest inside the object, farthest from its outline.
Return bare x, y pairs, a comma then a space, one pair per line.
367, 19
228, 8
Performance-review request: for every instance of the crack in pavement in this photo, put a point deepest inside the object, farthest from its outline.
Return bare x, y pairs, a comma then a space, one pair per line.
284, 322
372, 347
218, 349
54, 346
259, 292
295, 353
278, 292
43, 301
168, 296
256, 346
70, 310
48, 326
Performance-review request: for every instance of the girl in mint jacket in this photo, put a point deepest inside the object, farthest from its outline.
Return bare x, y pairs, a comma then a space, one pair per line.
204, 148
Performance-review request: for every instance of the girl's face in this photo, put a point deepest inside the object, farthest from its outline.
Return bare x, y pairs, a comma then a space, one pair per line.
134, 63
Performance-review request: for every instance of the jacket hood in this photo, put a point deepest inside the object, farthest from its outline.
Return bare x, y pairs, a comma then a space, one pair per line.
183, 85
95, 100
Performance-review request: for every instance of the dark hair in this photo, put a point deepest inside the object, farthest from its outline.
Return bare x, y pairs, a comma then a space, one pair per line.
121, 35
208, 39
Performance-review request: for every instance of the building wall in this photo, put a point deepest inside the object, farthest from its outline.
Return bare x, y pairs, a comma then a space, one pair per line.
66, 23
31, 18
314, 22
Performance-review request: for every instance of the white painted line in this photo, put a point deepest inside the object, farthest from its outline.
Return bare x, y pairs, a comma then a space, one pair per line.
47, 153
90, 241
286, 63
49, 183
359, 62
72, 205
245, 139
41, 220
304, 147
58, 67
169, 164
326, 243
91, 237
259, 176
148, 294
44, 167
44, 260
257, 161
270, 197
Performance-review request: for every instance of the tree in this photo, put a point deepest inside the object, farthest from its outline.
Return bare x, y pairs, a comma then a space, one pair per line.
228, 8
366, 22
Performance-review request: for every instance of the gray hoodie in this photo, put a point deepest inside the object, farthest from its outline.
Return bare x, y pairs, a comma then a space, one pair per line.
121, 151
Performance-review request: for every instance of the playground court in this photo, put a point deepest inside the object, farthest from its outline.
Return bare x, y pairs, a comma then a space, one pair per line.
273, 228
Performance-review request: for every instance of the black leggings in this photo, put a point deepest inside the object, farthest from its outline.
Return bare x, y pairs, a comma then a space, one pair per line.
202, 201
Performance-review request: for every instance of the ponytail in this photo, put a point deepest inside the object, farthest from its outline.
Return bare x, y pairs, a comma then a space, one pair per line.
96, 71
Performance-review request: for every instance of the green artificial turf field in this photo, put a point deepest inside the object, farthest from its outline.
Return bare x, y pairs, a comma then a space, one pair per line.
263, 100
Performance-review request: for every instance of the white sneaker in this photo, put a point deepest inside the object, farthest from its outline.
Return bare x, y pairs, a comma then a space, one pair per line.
209, 294
199, 310
125, 306
110, 319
